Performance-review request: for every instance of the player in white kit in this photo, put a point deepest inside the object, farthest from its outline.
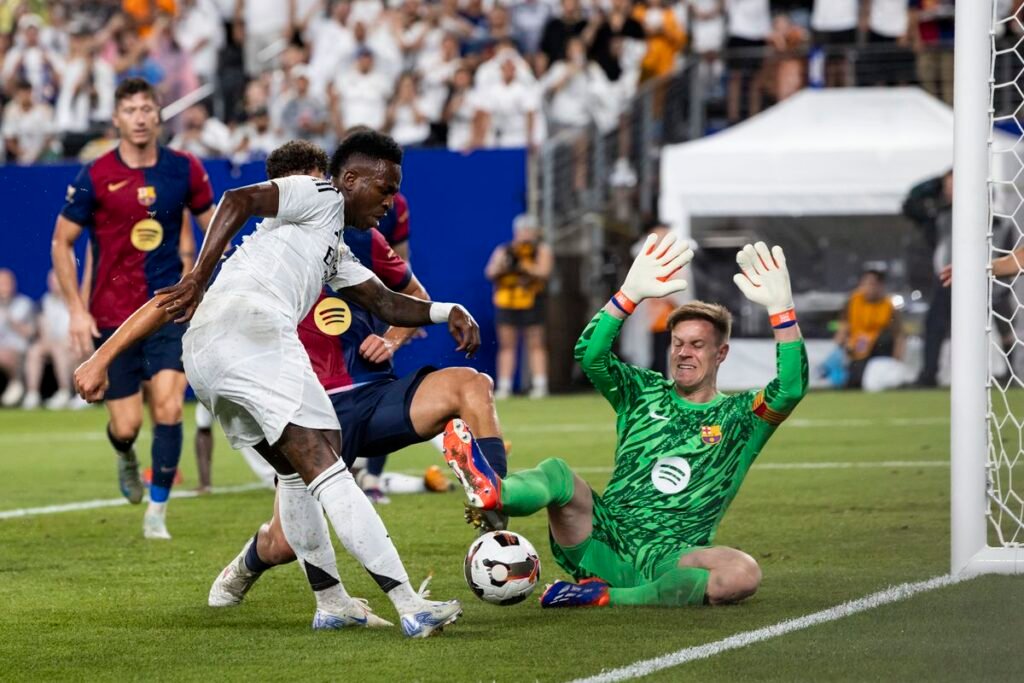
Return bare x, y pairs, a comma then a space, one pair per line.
244, 360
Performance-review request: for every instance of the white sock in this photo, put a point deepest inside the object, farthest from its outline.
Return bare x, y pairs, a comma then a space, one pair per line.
438, 442
504, 385
306, 530
157, 508
394, 482
539, 383
362, 532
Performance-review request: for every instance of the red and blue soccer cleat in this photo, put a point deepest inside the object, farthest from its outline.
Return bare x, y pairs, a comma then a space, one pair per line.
463, 455
586, 593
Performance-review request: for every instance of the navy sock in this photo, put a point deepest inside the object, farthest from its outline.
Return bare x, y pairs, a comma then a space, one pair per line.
493, 448
166, 454
253, 561
120, 445
375, 466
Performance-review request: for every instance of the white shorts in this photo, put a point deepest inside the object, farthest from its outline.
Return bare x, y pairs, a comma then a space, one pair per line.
247, 365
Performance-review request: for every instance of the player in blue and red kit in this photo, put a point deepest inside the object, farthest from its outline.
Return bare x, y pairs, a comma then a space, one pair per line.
379, 412
395, 226
131, 201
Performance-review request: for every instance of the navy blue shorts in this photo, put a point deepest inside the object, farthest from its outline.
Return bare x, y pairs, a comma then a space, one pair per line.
139, 362
375, 417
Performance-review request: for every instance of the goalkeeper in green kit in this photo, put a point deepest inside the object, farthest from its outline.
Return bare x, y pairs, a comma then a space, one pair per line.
683, 448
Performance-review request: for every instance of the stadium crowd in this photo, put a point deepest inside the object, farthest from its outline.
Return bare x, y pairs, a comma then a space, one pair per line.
464, 74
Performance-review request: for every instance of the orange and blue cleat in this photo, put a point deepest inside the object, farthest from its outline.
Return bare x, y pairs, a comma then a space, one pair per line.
586, 593
463, 455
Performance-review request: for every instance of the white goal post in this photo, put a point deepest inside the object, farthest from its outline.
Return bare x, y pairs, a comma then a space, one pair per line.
986, 437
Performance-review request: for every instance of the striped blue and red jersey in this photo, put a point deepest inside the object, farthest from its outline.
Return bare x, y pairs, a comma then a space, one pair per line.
334, 329
395, 223
134, 218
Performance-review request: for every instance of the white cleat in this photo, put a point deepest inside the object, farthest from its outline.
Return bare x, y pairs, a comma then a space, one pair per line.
231, 585
59, 400
356, 613
154, 527
433, 617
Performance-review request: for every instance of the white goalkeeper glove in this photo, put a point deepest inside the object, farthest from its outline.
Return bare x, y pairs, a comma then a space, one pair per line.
765, 280
648, 277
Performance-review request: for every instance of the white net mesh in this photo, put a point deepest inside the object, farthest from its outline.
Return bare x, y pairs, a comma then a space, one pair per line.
1006, 295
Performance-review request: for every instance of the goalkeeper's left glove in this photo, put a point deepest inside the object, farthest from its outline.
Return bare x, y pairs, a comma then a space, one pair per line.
649, 276
765, 281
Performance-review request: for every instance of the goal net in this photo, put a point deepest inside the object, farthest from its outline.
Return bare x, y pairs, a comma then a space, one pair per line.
1005, 459
987, 368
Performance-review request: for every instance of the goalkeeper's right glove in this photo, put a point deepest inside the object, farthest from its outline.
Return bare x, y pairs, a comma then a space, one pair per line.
649, 275
765, 281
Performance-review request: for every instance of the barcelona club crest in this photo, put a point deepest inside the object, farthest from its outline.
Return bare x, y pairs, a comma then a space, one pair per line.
711, 435
147, 195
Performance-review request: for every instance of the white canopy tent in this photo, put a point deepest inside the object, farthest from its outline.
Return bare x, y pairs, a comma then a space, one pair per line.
833, 152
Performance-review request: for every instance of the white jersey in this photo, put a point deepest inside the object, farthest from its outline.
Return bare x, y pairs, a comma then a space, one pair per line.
285, 263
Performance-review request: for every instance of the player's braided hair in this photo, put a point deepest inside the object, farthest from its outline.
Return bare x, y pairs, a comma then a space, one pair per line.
367, 143
716, 314
297, 156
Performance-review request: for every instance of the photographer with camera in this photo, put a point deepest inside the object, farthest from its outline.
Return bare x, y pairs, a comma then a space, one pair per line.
520, 270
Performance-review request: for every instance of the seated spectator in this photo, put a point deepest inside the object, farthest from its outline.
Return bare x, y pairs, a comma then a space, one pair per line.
53, 343
203, 135
255, 139
870, 328
406, 119
304, 116
577, 89
28, 128
363, 93
508, 112
32, 61
665, 39
16, 328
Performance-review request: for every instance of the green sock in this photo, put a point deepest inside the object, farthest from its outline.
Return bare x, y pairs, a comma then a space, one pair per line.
528, 491
675, 588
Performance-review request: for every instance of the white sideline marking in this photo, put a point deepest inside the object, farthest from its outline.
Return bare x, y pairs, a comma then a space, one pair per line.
892, 594
115, 502
603, 426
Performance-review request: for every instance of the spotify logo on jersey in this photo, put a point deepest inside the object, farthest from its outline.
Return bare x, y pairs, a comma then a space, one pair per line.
333, 316
671, 475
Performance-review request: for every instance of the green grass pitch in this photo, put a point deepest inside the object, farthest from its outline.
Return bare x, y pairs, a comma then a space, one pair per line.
85, 597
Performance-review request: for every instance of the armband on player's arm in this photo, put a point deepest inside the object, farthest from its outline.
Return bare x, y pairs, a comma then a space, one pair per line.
650, 275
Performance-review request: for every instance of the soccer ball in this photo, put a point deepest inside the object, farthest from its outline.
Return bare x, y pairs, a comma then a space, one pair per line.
502, 568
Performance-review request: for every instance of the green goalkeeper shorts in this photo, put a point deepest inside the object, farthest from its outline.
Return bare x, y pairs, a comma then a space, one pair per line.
606, 554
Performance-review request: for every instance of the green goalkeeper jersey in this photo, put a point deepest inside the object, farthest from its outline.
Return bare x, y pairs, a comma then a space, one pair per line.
678, 465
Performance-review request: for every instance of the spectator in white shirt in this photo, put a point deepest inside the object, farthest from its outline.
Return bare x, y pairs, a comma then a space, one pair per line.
304, 115
460, 110
509, 113
54, 343
16, 328
407, 121
835, 29
748, 23
28, 127
888, 59
30, 60
86, 98
203, 135
267, 23
332, 46
435, 74
577, 89
363, 93
255, 139
200, 33
490, 72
